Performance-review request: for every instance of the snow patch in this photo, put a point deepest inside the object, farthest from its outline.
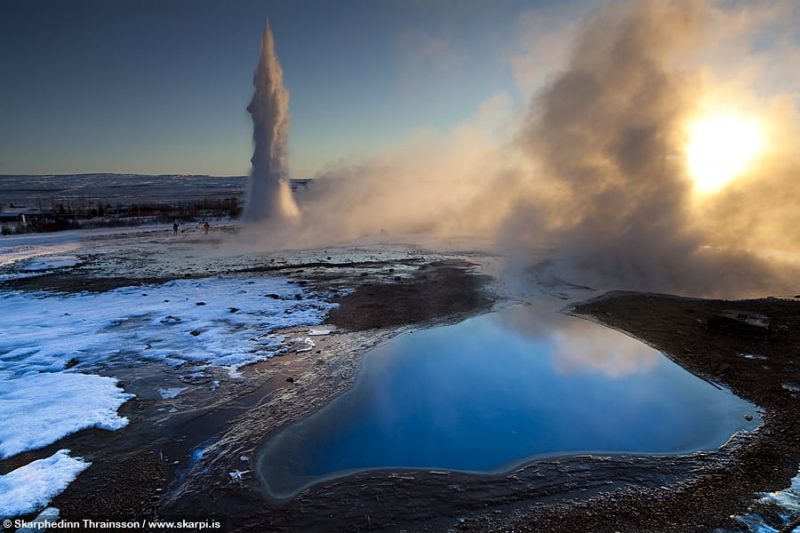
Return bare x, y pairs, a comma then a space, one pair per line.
47, 407
39, 524
787, 502
172, 392
49, 263
787, 499
221, 321
31, 487
237, 475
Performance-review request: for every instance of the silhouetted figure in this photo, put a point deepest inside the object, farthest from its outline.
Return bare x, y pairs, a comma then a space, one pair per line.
206, 227
175, 228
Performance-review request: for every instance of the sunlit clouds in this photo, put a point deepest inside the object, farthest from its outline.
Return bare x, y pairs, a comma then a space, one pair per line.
720, 148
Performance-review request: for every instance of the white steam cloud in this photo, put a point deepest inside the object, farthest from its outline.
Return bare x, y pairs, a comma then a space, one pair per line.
595, 170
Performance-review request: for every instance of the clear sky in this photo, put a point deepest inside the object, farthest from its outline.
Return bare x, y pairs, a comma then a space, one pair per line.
161, 86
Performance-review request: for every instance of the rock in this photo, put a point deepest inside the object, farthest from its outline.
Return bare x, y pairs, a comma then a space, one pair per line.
200, 303
289, 380
740, 323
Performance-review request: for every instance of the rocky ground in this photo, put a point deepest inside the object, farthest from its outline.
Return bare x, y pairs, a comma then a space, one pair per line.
702, 491
180, 464
152, 468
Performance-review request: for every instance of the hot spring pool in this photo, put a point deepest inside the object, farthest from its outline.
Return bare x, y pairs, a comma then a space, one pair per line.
497, 390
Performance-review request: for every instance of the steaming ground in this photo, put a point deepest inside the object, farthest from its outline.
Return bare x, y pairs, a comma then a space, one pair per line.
167, 360
148, 316
593, 164
54, 345
174, 339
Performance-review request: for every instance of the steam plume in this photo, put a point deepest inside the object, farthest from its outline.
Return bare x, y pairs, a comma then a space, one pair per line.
606, 135
269, 193
594, 175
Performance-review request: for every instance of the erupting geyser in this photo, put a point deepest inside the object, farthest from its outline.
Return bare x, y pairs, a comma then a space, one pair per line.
269, 194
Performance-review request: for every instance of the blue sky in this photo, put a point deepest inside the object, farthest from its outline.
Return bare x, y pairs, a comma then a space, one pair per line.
161, 86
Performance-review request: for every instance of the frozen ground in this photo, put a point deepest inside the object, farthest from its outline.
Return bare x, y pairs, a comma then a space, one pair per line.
787, 502
59, 352
49, 405
30, 487
18, 248
221, 321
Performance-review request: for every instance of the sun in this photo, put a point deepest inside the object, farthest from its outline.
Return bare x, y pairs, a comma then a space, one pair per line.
720, 148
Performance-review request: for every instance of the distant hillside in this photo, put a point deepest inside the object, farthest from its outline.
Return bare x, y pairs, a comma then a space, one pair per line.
68, 201
120, 189
116, 189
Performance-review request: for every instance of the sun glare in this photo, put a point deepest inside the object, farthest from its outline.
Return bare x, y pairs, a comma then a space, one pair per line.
720, 148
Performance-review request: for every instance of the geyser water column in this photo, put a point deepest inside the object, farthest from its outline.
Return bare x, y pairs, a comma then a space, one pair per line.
269, 196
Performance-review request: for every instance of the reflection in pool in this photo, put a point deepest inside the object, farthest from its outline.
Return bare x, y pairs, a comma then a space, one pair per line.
496, 390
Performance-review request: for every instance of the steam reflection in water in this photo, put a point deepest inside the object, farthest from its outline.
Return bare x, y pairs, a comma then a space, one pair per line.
498, 390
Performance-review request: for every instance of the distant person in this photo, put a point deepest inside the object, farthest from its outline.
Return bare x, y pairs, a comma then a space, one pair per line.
206, 227
175, 228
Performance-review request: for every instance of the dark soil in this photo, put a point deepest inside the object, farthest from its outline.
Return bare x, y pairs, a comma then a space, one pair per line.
437, 290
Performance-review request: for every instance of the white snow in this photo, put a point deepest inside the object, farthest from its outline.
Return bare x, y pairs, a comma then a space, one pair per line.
39, 524
49, 262
787, 499
318, 332
222, 321
218, 321
237, 475
787, 502
31, 487
754, 356
172, 392
303, 345
39, 409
